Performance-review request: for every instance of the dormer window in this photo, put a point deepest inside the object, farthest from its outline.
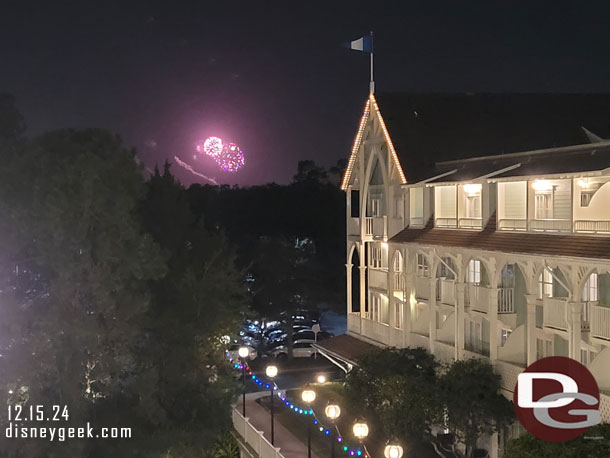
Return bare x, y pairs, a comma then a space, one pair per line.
472, 194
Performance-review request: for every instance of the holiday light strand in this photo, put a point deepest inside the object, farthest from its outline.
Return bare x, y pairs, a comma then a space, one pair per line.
355, 452
356, 145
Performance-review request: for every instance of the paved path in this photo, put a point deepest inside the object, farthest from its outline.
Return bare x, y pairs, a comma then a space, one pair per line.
289, 445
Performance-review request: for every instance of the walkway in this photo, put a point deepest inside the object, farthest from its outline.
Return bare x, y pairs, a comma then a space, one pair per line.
289, 445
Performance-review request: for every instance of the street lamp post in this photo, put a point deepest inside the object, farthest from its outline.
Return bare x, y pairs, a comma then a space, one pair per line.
361, 431
308, 397
332, 412
271, 372
393, 451
243, 353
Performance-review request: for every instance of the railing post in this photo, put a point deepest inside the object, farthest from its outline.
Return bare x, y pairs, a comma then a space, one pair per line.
530, 323
459, 319
432, 314
574, 311
492, 313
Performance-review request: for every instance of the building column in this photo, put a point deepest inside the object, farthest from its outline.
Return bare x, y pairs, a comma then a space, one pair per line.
407, 319
530, 324
432, 312
492, 314
460, 315
348, 268
574, 311
363, 291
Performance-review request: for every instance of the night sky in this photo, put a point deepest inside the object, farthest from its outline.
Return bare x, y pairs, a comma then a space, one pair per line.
273, 76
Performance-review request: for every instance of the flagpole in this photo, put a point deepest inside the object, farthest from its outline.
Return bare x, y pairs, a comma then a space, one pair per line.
372, 83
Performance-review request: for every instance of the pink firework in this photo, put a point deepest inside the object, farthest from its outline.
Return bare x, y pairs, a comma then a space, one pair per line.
212, 146
232, 159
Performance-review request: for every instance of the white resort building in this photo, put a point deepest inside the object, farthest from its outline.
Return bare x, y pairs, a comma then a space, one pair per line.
504, 256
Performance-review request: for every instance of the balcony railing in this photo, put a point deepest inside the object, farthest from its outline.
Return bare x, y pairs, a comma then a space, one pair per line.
477, 297
600, 321
554, 313
550, 225
512, 225
594, 227
506, 300
422, 287
416, 221
254, 438
445, 291
376, 226
470, 223
445, 222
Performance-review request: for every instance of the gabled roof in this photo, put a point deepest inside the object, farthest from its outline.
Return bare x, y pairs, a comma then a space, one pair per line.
427, 129
371, 105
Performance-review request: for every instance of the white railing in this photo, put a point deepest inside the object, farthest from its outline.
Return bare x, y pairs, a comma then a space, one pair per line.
254, 438
600, 321
445, 291
422, 287
551, 225
368, 225
375, 330
554, 313
445, 222
596, 227
506, 300
470, 223
416, 221
512, 224
399, 281
477, 297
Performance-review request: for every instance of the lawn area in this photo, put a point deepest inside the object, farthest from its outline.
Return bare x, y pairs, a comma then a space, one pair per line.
327, 394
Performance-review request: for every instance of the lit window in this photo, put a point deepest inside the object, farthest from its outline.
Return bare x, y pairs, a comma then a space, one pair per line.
545, 284
376, 257
474, 272
590, 290
423, 269
543, 204
585, 198
504, 335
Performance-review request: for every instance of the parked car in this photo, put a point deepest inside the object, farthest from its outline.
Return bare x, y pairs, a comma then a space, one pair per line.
311, 335
300, 349
233, 351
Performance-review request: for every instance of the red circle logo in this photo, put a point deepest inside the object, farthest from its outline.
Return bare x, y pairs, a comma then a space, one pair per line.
557, 399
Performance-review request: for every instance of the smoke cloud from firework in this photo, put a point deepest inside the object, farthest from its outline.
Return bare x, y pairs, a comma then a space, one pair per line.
190, 169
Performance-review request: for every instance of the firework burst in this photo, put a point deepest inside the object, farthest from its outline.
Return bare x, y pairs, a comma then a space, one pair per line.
232, 158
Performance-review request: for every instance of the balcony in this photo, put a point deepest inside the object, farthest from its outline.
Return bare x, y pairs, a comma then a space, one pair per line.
353, 226
477, 297
445, 222
512, 225
506, 300
470, 223
445, 291
554, 313
592, 227
376, 226
550, 225
422, 287
375, 330
600, 321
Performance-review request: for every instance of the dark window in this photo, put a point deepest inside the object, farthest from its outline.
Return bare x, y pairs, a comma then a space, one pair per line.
355, 203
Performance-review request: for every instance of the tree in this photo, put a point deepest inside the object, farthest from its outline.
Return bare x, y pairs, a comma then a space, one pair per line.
470, 399
411, 397
76, 266
396, 389
595, 443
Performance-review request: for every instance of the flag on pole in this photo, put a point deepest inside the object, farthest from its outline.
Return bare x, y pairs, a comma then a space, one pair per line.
364, 44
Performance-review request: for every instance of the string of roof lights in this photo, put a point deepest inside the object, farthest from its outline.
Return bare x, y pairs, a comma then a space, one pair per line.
358, 140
